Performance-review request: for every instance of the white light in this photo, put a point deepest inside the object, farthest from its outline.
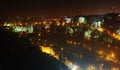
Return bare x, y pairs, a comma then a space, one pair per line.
119, 15
74, 67
23, 29
47, 26
81, 19
119, 33
68, 20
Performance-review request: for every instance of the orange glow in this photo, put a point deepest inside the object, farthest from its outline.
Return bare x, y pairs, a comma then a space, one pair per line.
110, 57
114, 35
44, 22
100, 52
114, 68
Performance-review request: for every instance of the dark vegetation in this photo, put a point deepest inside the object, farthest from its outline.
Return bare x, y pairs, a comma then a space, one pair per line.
18, 54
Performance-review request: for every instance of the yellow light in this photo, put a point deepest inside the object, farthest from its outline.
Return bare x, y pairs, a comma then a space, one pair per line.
111, 57
100, 52
108, 58
39, 34
20, 24
100, 29
5, 24
49, 51
63, 24
75, 43
91, 67
114, 35
69, 42
62, 49
44, 22
36, 23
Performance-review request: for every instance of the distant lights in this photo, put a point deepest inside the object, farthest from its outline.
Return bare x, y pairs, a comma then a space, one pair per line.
49, 51
91, 67
81, 20
68, 20
119, 15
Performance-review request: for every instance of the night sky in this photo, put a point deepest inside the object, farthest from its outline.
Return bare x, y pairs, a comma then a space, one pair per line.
56, 7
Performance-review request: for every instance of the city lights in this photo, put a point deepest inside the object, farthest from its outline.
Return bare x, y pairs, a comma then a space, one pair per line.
49, 51
81, 43
60, 34
81, 20
91, 67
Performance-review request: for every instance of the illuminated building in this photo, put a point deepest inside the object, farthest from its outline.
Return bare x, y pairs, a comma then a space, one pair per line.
81, 20
28, 29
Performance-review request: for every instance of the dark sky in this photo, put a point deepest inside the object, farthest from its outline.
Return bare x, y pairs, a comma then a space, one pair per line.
56, 7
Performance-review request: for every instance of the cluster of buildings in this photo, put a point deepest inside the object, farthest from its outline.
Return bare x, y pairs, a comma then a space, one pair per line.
109, 21
79, 30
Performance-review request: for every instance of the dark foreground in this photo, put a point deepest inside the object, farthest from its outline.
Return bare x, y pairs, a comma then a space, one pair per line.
18, 54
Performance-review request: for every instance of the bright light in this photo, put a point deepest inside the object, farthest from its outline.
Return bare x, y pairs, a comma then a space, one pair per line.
87, 34
119, 15
23, 29
100, 29
96, 25
68, 20
49, 51
47, 26
110, 57
100, 52
70, 65
113, 55
114, 35
74, 67
7, 24
81, 19
118, 31
39, 34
